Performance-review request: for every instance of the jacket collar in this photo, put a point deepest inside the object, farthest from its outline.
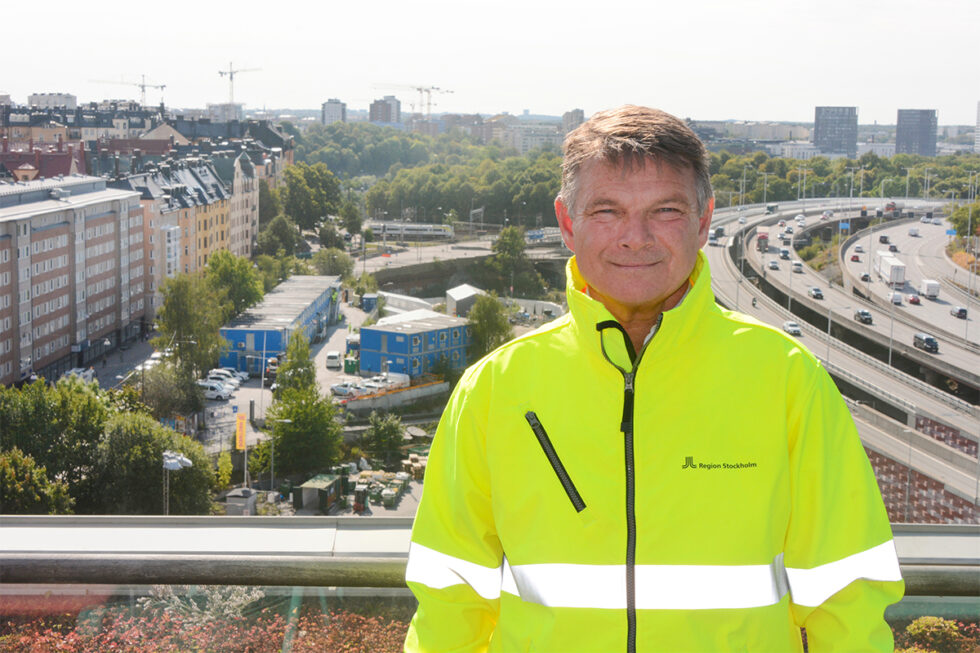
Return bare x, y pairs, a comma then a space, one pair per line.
677, 325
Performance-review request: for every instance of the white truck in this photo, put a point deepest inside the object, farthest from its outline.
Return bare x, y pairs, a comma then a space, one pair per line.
929, 288
890, 269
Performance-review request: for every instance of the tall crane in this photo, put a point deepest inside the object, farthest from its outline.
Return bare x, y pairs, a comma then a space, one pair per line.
427, 90
142, 85
231, 72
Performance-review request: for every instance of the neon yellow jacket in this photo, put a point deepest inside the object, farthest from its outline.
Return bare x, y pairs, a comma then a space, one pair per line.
719, 506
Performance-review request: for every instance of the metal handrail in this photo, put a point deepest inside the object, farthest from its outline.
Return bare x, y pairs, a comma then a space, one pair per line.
320, 571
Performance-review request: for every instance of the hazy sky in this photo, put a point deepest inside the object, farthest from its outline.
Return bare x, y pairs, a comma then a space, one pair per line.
704, 59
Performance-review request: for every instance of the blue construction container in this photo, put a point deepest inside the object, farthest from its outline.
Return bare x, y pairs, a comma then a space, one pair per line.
413, 343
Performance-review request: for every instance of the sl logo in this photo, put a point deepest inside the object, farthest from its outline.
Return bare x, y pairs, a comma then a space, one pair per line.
689, 463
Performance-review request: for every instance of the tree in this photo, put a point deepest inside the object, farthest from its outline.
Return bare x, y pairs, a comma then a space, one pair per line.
966, 217
273, 270
297, 370
188, 322
58, 427
489, 327
129, 473
169, 391
309, 441
269, 206
330, 237
26, 490
280, 234
233, 278
383, 438
333, 262
351, 216
311, 193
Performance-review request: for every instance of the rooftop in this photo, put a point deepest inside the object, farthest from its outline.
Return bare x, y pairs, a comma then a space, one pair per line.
284, 303
417, 321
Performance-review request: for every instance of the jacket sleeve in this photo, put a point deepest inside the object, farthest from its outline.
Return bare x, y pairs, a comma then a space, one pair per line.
455, 558
839, 554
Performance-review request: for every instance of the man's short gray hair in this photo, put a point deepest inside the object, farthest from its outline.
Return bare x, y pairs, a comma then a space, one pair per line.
630, 135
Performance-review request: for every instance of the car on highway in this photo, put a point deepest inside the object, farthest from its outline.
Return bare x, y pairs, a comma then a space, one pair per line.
914, 299
925, 219
799, 216
792, 328
863, 316
827, 215
784, 254
855, 258
712, 240
936, 221
788, 229
815, 292
958, 311
782, 223
925, 342
892, 247
798, 267
773, 265
896, 298
865, 276
859, 249
741, 219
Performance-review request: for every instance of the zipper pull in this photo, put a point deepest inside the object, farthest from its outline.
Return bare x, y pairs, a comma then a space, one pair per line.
626, 426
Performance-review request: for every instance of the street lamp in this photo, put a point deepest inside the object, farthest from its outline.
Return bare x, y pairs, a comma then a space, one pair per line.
172, 460
272, 483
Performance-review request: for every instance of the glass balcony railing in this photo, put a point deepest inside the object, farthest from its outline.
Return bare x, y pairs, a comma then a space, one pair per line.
306, 584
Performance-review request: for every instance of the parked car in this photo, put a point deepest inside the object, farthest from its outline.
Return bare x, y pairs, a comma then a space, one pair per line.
863, 316
792, 328
925, 342
85, 374
214, 390
958, 311
855, 258
815, 292
226, 377
345, 389
773, 264
241, 375
334, 361
859, 249
914, 299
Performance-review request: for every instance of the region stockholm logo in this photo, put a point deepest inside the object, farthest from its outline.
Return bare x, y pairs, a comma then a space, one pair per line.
690, 464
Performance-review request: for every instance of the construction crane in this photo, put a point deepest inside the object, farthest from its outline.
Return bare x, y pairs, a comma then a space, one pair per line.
142, 85
231, 72
427, 90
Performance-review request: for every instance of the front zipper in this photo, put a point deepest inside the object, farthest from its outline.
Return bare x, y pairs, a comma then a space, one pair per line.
626, 426
552, 455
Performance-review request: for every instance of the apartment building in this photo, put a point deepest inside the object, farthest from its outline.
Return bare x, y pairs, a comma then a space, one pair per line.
72, 274
916, 132
237, 173
835, 130
333, 110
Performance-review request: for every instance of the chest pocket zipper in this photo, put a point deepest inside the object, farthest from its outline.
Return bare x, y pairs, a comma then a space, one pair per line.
552, 455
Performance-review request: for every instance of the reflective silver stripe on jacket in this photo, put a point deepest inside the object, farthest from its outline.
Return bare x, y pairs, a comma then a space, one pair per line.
658, 587
812, 587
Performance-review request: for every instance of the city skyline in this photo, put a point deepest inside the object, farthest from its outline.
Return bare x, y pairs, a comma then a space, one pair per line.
709, 61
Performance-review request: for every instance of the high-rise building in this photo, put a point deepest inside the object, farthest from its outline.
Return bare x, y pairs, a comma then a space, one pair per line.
976, 132
571, 119
333, 110
52, 100
387, 109
72, 274
835, 130
916, 132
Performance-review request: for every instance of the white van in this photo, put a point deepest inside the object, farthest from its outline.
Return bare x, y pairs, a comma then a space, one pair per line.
333, 360
798, 267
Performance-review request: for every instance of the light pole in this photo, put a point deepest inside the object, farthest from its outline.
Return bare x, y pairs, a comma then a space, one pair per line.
925, 184
272, 482
172, 460
765, 187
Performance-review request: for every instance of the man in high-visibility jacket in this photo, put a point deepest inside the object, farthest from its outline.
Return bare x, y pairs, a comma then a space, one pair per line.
649, 472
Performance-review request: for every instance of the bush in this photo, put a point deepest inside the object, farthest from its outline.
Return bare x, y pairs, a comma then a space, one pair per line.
935, 634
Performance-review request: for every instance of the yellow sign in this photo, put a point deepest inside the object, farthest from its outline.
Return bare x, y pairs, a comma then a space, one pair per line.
240, 431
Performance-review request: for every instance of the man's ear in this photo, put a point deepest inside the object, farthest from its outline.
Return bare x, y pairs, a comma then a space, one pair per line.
704, 223
565, 223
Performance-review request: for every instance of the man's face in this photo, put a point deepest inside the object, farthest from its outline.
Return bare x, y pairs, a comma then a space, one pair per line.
635, 233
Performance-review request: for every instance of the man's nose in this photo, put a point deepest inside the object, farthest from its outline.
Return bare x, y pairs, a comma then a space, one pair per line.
635, 231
